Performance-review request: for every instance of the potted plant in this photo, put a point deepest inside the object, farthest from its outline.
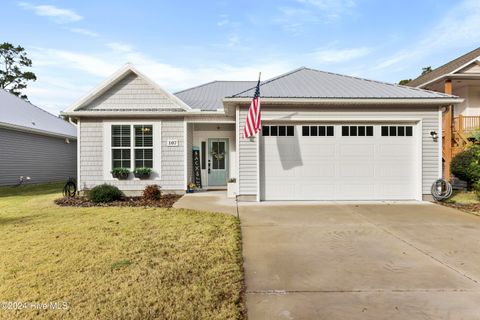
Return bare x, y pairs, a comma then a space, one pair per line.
231, 188
120, 173
191, 187
142, 173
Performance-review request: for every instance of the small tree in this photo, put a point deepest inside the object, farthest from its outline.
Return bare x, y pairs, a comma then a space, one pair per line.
426, 70
12, 76
404, 82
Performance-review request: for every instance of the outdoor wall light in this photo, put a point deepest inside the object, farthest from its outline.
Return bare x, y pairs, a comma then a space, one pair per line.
434, 135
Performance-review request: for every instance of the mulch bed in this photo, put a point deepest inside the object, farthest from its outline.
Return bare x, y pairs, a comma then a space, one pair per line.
473, 208
166, 201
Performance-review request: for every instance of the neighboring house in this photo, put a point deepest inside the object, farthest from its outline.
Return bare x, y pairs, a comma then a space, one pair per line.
324, 137
35, 145
464, 75
460, 77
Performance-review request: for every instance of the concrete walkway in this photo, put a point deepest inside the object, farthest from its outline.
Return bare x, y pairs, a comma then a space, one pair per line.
361, 261
215, 201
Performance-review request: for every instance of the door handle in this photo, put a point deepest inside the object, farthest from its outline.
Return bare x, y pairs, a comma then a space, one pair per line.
208, 166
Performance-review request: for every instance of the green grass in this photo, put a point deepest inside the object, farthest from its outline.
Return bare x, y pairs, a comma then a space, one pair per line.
116, 263
463, 197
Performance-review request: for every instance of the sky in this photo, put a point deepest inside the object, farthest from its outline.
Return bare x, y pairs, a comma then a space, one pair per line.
75, 45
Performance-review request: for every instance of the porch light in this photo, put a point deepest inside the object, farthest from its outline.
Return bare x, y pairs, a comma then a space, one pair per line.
434, 135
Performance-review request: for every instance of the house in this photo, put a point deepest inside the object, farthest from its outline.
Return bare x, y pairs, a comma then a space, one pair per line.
324, 136
460, 77
35, 146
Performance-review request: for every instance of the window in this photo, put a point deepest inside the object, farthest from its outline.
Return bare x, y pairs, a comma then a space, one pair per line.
218, 152
266, 131
132, 146
397, 131
204, 154
143, 146
317, 131
121, 140
357, 131
281, 131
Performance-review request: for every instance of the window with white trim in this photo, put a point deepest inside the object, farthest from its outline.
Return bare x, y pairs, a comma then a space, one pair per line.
397, 131
143, 146
121, 146
132, 144
357, 131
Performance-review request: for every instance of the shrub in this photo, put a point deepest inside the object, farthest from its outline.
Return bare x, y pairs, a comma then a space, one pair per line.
105, 193
143, 171
476, 187
152, 192
466, 165
120, 171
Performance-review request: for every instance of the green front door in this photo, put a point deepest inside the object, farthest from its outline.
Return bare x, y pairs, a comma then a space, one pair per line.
217, 162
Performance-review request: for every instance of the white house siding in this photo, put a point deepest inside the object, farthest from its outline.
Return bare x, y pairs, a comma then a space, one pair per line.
92, 166
189, 151
132, 92
42, 158
247, 166
428, 115
91, 153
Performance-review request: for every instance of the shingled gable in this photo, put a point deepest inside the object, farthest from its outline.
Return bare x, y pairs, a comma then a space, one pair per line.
129, 90
451, 67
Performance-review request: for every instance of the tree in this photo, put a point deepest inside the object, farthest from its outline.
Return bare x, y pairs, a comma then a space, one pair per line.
404, 82
12, 61
426, 70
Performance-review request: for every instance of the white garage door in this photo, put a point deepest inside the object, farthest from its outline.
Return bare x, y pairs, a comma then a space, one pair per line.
339, 162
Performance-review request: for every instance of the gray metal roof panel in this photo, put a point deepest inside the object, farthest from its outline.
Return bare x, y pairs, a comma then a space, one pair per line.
209, 96
311, 83
17, 112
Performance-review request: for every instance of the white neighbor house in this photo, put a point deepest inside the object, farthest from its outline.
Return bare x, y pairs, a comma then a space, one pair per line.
324, 137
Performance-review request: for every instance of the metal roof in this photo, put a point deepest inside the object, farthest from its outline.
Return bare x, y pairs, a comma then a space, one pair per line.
20, 114
314, 84
447, 68
209, 96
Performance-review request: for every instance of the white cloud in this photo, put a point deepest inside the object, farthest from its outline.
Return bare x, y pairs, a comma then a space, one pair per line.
330, 6
331, 55
224, 20
84, 32
59, 15
459, 28
120, 47
65, 76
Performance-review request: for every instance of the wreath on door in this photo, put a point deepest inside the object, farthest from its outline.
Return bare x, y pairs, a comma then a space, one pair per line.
218, 155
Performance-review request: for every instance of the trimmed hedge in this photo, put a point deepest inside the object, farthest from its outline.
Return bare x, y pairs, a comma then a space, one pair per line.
105, 193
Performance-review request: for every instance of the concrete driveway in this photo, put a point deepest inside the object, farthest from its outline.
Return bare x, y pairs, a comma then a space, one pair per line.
365, 261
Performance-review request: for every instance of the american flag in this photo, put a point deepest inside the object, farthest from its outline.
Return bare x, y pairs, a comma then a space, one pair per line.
252, 124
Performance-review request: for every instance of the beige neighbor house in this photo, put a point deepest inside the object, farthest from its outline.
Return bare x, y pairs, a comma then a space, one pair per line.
460, 77
324, 136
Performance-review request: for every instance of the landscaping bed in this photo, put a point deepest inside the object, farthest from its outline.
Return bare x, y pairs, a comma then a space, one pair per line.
165, 201
466, 201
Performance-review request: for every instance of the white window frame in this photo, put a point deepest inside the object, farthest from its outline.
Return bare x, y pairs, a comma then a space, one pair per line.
107, 147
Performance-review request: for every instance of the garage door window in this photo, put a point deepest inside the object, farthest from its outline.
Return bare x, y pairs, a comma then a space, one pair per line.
397, 131
317, 131
357, 131
281, 131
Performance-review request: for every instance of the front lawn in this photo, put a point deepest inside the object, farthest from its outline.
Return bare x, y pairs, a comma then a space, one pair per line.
115, 263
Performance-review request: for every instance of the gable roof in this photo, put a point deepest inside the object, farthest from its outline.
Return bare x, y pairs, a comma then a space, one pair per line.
314, 84
447, 68
174, 102
19, 114
209, 96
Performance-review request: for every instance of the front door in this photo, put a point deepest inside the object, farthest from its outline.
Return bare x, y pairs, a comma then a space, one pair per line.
217, 162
